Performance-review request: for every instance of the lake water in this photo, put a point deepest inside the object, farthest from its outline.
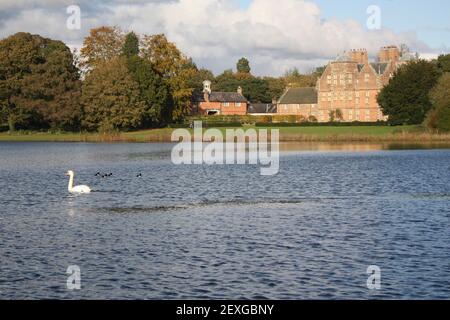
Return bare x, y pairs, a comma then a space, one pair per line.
224, 232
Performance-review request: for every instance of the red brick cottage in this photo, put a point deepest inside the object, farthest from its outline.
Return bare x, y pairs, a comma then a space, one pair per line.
219, 103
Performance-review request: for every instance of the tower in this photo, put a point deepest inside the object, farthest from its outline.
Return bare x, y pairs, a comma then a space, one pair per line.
206, 90
207, 86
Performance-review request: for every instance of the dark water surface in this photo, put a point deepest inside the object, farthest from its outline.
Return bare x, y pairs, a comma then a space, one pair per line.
223, 231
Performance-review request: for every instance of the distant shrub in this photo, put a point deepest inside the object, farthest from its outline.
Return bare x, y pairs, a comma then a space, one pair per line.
178, 125
312, 119
222, 124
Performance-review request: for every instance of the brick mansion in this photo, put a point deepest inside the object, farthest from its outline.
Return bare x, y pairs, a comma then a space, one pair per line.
347, 90
349, 84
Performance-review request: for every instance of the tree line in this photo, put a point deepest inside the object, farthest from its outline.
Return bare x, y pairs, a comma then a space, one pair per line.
118, 81
123, 81
419, 93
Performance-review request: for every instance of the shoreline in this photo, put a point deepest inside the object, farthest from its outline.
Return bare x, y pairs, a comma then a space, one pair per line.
295, 134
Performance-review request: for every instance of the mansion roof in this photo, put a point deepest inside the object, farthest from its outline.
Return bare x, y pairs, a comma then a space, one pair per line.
299, 96
221, 97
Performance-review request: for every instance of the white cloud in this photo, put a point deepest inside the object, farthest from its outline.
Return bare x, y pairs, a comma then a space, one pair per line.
274, 35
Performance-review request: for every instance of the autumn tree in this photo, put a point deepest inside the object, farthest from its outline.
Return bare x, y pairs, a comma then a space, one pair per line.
111, 98
102, 44
293, 78
175, 68
39, 84
439, 116
406, 98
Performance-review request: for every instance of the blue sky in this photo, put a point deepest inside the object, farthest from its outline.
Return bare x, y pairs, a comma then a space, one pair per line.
430, 19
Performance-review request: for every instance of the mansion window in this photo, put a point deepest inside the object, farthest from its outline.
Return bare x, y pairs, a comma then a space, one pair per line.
238, 104
225, 104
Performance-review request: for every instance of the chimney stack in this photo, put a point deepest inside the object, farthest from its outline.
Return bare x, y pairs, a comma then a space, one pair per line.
360, 56
239, 90
388, 54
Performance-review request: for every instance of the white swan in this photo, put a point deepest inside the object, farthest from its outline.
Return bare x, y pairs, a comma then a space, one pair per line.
76, 189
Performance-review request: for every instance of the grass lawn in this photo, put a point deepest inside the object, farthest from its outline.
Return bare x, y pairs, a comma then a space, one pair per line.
319, 133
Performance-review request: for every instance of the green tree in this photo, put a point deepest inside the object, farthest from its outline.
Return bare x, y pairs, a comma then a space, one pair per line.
443, 63
112, 99
176, 70
39, 84
405, 99
131, 45
254, 89
276, 86
243, 66
151, 85
153, 91
439, 116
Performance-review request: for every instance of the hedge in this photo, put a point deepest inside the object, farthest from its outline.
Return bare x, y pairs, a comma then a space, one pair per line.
324, 124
